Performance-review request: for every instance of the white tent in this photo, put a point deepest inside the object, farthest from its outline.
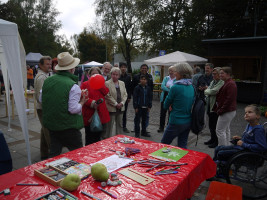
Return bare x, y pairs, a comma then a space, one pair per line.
175, 57
93, 64
12, 58
33, 58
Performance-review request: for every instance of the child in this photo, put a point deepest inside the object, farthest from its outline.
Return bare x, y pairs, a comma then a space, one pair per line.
253, 139
142, 103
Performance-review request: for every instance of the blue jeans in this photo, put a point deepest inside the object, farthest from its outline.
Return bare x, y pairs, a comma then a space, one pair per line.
223, 153
181, 131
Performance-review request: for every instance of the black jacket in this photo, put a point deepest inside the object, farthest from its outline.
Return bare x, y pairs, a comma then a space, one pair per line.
142, 96
136, 80
128, 84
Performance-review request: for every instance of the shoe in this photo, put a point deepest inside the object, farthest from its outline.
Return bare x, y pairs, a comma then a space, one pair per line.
213, 145
208, 142
160, 130
146, 134
125, 130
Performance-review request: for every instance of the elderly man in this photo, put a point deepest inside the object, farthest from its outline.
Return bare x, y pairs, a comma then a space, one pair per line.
62, 105
45, 64
106, 71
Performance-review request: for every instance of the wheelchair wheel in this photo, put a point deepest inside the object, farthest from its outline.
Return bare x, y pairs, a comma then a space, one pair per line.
249, 171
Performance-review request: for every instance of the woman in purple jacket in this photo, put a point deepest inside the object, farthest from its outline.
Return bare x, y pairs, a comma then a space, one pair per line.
225, 106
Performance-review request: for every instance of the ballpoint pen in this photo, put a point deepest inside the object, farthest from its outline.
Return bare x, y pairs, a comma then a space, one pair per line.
29, 184
110, 194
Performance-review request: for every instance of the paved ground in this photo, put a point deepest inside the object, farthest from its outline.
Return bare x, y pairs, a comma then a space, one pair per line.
15, 139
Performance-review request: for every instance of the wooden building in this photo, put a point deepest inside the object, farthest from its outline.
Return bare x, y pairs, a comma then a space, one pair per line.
248, 59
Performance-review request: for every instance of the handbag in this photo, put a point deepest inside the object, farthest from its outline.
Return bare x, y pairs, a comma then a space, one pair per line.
96, 125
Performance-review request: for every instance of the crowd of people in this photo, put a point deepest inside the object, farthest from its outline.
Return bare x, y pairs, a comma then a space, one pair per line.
64, 107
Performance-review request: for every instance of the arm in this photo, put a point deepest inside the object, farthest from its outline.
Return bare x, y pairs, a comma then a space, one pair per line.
260, 141
124, 92
38, 86
169, 99
213, 91
104, 90
228, 98
128, 85
135, 98
109, 98
74, 104
163, 85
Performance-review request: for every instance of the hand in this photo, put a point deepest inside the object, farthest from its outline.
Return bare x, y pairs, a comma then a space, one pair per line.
119, 105
83, 99
170, 108
136, 110
236, 137
239, 142
95, 106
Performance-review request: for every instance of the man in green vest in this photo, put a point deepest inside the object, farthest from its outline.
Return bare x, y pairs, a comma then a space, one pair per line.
62, 105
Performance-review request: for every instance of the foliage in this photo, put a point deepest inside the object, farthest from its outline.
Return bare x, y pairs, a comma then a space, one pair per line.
37, 25
121, 18
91, 47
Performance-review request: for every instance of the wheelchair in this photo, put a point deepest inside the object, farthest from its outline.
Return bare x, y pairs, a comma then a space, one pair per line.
249, 171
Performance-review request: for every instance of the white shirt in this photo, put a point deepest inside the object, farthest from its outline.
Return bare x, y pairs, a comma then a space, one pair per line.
74, 107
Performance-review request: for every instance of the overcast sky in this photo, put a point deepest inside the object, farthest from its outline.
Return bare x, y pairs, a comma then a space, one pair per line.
74, 15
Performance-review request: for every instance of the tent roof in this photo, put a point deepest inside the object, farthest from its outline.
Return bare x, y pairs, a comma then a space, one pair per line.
33, 57
92, 64
175, 57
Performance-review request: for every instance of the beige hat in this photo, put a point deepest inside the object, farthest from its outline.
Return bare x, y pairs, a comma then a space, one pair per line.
66, 61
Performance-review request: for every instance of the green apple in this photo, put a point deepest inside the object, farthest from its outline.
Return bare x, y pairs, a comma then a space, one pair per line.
99, 172
71, 182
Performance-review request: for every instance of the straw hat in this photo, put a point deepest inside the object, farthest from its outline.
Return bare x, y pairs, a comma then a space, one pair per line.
66, 61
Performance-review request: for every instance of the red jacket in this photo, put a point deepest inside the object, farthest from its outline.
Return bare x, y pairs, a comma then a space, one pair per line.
226, 98
93, 95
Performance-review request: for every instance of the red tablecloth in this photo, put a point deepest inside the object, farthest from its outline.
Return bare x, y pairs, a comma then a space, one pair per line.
174, 186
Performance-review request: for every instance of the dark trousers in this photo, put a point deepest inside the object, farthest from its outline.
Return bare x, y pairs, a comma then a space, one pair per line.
70, 138
142, 113
124, 118
163, 112
92, 137
30, 82
213, 118
223, 153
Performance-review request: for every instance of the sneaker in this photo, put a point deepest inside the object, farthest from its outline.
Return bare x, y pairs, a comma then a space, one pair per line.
146, 134
125, 130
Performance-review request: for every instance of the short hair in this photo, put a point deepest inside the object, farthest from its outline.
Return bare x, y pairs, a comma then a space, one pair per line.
210, 65
217, 69
227, 70
43, 58
115, 69
122, 64
184, 69
94, 68
143, 76
197, 69
172, 68
144, 65
107, 63
255, 108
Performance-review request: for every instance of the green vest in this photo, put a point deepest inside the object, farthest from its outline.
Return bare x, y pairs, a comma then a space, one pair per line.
55, 98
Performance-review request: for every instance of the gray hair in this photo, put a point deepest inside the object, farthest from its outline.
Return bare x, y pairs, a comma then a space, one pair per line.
184, 69
217, 69
172, 68
107, 63
115, 69
43, 58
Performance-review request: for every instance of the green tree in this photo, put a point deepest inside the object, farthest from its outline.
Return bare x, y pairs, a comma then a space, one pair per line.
122, 20
91, 47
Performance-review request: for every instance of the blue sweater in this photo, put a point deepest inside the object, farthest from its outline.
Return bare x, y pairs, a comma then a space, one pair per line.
255, 139
181, 98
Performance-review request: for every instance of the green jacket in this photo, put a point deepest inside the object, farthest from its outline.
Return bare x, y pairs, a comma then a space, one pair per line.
211, 92
55, 98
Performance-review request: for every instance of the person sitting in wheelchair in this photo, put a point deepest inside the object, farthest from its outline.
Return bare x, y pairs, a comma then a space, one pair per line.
253, 138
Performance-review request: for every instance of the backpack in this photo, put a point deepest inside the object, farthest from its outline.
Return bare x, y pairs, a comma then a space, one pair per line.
198, 115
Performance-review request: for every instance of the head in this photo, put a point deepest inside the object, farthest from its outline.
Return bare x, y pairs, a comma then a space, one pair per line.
115, 74
208, 68
45, 63
144, 69
183, 70
225, 73
28, 67
216, 73
116, 65
123, 68
66, 62
143, 80
172, 71
106, 68
252, 114
93, 71
196, 69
